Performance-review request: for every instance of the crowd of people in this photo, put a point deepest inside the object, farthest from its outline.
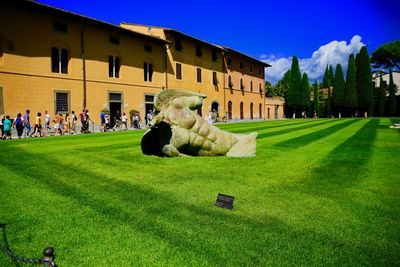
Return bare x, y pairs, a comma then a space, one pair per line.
28, 127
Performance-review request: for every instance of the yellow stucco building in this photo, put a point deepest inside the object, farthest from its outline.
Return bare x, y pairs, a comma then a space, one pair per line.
54, 60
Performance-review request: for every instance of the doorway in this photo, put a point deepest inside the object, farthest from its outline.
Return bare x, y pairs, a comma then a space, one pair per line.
276, 112
115, 104
114, 107
215, 110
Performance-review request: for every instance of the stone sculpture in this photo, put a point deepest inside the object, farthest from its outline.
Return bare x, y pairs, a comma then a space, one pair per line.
177, 130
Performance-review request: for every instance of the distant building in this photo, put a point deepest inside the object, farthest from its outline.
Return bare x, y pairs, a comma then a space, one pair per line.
55, 60
376, 74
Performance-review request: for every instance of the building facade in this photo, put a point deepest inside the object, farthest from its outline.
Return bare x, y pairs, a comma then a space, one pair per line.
54, 60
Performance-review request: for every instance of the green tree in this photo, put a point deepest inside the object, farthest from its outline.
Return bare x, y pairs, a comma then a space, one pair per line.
326, 78
364, 82
392, 88
305, 93
381, 97
331, 76
338, 91
316, 98
350, 91
328, 105
294, 93
387, 56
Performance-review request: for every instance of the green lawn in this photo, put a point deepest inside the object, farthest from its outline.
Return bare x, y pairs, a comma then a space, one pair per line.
319, 192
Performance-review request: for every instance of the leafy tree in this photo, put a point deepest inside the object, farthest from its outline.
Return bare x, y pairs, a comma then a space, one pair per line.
350, 91
364, 82
381, 97
316, 97
392, 96
294, 94
387, 56
338, 91
305, 93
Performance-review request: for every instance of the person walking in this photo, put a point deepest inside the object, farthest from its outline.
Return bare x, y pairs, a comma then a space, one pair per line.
124, 122
73, 121
27, 123
47, 121
117, 120
67, 127
2, 118
7, 128
18, 123
38, 126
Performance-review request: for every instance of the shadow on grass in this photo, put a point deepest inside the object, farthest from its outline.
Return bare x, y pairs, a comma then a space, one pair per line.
306, 139
216, 237
303, 126
341, 168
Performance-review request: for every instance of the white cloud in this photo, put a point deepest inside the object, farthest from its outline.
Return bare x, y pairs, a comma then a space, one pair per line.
332, 53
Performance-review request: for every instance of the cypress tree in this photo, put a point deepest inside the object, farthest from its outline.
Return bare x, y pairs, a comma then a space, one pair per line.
392, 96
338, 91
350, 91
294, 93
316, 98
326, 78
381, 97
329, 100
331, 76
364, 82
305, 92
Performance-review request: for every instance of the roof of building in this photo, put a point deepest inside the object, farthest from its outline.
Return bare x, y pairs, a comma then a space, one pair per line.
60, 12
215, 46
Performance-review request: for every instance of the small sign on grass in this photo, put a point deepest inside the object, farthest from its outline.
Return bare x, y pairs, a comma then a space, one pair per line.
225, 201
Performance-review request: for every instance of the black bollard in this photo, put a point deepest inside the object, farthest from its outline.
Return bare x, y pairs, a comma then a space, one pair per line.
48, 259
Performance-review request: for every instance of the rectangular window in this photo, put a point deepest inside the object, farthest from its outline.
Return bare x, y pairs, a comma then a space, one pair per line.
178, 71
148, 71
198, 75
60, 27
251, 86
229, 61
148, 48
199, 53
241, 84
61, 102
59, 60
251, 69
214, 78
114, 39
241, 65
178, 44
214, 56
113, 66
259, 72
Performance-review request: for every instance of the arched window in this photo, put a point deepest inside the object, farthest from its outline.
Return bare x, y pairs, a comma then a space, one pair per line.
251, 86
229, 110
241, 84
241, 111
251, 111
260, 110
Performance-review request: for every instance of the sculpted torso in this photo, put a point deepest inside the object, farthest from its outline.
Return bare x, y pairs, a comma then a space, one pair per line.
191, 134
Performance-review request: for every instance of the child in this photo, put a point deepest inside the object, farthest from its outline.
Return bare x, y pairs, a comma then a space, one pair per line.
7, 128
38, 126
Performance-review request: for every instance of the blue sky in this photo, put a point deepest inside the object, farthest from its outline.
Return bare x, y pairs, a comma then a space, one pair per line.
317, 32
